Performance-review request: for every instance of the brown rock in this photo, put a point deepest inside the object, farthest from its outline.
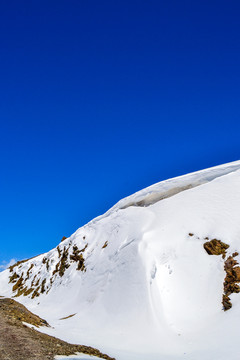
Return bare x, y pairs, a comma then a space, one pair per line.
230, 286
236, 273
226, 302
215, 247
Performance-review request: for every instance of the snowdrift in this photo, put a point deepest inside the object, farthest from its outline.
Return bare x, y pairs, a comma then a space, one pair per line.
137, 282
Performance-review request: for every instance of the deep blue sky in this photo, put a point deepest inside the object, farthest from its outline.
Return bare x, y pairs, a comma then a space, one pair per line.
99, 99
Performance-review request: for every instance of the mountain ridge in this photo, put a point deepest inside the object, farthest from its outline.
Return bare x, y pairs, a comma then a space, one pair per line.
141, 270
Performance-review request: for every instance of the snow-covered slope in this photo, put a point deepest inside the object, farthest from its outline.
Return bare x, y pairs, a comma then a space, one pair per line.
138, 281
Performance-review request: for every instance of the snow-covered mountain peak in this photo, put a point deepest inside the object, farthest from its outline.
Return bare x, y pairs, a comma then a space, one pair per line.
160, 264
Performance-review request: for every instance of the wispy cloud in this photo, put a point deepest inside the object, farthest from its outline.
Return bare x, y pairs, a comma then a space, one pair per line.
5, 264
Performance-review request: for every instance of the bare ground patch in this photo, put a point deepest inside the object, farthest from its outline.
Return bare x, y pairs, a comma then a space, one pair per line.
19, 342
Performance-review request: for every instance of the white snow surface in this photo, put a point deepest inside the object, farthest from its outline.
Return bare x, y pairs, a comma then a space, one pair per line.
76, 357
153, 292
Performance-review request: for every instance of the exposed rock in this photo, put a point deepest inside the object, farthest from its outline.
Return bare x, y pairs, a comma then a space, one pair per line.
26, 283
43, 286
226, 302
18, 263
216, 247
36, 293
105, 245
78, 257
230, 286
230, 282
67, 317
63, 262
236, 272
29, 270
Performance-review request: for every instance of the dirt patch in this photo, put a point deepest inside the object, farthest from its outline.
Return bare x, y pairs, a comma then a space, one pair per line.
19, 342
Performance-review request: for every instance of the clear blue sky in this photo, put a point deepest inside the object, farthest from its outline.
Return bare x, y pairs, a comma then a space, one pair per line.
99, 99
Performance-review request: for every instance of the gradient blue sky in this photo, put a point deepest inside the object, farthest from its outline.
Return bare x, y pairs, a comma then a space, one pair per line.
99, 99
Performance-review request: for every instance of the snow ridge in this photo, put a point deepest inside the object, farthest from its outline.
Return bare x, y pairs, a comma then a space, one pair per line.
170, 187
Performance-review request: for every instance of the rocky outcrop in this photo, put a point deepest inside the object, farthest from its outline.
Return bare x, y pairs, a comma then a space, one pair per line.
25, 281
232, 278
216, 247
